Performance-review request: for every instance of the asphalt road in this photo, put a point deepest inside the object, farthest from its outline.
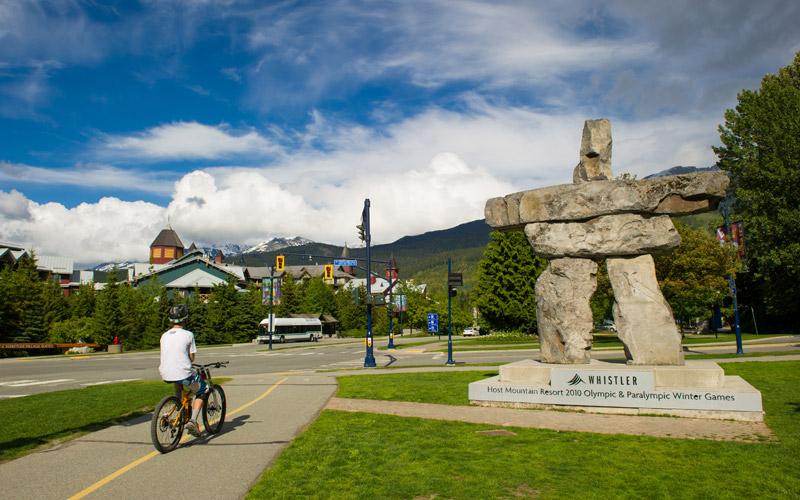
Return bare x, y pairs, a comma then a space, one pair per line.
24, 376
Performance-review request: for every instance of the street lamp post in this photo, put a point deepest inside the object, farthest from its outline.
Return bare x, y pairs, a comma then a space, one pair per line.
369, 359
450, 361
271, 294
739, 350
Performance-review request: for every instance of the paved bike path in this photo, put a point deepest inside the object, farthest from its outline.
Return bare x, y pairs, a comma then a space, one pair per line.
224, 466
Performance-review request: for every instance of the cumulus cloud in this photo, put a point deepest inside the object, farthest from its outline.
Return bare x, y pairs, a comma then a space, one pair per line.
90, 233
185, 140
431, 171
13, 205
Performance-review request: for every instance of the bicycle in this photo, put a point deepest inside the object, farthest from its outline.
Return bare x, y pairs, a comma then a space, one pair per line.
171, 413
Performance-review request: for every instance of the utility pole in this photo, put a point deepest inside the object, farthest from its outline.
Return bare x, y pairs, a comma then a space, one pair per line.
369, 359
450, 291
739, 350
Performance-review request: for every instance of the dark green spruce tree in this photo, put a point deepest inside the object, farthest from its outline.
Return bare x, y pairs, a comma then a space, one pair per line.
505, 289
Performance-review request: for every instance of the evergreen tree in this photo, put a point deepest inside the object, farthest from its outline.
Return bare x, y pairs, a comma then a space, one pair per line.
221, 320
318, 297
54, 304
602, 300
351, 316
291, 298
762, 152
151, 306
108, 316
196, 323
82, 303
505, 289
22, 302
249, 314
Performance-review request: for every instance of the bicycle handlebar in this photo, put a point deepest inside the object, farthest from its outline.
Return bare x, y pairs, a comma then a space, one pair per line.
216, 364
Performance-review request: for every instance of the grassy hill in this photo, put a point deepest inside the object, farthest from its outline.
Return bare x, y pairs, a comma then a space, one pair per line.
422, 257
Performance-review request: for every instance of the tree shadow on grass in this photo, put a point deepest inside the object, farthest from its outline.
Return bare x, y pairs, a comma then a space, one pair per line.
18, 447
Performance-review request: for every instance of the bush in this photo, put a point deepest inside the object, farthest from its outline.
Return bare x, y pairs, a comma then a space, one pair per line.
355, 333
71, 331
512, 336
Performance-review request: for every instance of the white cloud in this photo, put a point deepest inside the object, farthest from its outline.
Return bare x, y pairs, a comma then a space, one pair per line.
90, 176
13, 205
90, 233
432, 171
186, 140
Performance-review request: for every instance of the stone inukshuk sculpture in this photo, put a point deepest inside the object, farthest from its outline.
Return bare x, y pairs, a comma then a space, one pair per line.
623, 221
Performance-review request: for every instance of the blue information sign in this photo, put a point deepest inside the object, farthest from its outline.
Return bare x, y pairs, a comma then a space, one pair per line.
345, 262
433, 322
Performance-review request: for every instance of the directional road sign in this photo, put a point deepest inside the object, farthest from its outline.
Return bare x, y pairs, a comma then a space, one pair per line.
433, 322
345, 262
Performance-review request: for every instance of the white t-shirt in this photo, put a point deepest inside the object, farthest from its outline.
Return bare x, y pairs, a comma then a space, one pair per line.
176, 345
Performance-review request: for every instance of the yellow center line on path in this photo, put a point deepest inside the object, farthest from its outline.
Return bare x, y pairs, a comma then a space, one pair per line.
79, 357
152, 454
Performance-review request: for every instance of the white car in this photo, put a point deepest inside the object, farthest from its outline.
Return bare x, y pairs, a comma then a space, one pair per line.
472, 332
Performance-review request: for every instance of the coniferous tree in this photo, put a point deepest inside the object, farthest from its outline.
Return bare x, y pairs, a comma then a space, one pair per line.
82, 303
351, 316
108, 316
318, 297
22, 291
54, 304
505, 289
291, 298
221, 321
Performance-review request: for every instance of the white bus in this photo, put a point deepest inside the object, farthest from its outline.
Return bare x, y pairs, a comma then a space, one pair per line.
285, 329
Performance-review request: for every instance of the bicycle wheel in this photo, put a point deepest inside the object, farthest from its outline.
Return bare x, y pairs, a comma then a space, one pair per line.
214, 407
166, 428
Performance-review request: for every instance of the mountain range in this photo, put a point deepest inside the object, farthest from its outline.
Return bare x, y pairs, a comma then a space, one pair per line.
422, 257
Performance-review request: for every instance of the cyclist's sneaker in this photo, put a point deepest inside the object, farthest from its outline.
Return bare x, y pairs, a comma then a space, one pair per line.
193, 429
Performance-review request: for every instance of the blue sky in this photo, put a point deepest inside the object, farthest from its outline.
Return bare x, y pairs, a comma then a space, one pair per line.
242, 121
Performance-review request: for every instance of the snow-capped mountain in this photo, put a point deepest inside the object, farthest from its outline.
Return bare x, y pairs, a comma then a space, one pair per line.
681, 170
277, 244
108, 266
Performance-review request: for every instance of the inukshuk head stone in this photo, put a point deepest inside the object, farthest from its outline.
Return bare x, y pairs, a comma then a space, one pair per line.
623, 221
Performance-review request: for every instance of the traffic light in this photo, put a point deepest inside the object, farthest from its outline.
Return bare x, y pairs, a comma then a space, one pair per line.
361, 235
355, 296
279, 260
328, 272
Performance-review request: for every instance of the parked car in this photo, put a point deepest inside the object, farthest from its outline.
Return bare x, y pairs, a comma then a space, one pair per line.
472, 332
607, 325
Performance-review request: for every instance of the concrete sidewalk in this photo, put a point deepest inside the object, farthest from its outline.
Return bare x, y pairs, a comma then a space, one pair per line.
683, 428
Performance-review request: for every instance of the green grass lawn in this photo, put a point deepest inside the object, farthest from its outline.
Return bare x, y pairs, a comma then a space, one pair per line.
40, 419
366, 456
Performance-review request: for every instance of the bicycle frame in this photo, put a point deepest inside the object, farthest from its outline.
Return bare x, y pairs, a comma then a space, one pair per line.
172, 420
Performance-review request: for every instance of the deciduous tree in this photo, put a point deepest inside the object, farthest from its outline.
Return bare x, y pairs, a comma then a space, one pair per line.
761, 150
695, 276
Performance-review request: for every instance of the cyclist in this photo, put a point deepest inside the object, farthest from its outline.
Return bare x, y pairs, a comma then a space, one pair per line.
177, 354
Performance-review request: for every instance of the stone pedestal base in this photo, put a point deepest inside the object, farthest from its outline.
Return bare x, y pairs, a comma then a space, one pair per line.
115, 348
700, 389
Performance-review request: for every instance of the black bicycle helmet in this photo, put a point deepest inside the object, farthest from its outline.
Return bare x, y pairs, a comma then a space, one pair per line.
178, 313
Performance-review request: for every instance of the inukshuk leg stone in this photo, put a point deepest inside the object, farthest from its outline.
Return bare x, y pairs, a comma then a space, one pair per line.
563, 314
644, 320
